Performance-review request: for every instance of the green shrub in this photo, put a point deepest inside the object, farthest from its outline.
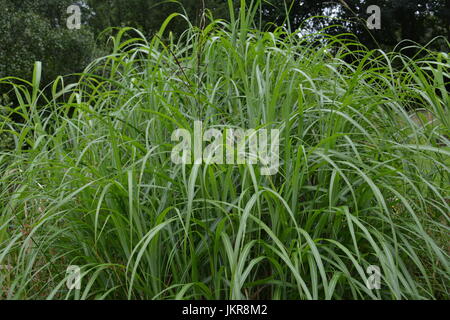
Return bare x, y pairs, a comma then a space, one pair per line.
360, 183
36, 31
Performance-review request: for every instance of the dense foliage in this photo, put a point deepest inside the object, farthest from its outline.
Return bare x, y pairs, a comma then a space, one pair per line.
36, 31
363, 181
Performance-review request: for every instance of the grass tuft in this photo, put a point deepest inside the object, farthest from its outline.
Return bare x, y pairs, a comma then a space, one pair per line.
363, 179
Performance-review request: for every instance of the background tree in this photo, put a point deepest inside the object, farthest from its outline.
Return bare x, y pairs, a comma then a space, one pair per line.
416, 20
32, 30
148, 15
35, 30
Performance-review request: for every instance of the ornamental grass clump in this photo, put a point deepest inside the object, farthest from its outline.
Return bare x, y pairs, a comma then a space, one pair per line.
90, 182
